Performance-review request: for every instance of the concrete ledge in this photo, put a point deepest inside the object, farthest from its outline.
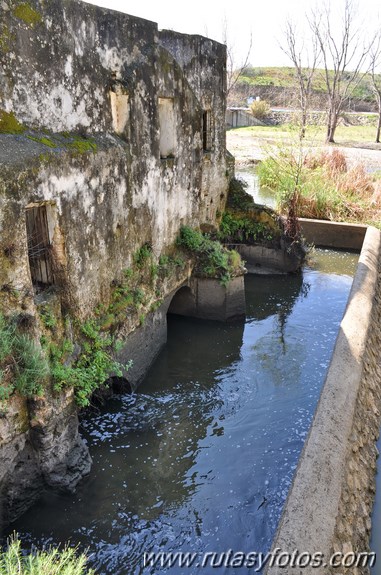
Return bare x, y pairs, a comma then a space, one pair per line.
322, 485
263, 260
333, 234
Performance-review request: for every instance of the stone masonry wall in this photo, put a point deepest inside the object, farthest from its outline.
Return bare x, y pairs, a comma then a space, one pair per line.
330, 502
353, 526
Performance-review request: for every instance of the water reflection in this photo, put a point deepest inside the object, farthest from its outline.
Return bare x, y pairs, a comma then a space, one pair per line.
202, 456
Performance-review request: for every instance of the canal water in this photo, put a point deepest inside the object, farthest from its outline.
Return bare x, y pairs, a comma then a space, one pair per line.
260, 194
201, 458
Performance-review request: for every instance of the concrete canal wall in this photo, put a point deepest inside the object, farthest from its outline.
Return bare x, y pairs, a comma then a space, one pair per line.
330, 502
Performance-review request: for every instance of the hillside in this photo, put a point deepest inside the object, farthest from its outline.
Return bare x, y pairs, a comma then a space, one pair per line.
279, 87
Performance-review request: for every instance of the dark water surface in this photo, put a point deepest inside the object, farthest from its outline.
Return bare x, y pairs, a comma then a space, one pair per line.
202, 456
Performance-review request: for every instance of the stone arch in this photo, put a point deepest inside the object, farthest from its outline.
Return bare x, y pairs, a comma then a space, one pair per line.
183, 302
120, 384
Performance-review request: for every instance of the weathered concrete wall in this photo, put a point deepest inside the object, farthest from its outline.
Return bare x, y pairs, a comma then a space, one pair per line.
333, 234
59, 60
35, 440
240, 117
82, 131
330, 501
202, 61
207, 298
263, 260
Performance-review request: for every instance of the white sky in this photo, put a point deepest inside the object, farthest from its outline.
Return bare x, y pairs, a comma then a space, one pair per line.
263, 19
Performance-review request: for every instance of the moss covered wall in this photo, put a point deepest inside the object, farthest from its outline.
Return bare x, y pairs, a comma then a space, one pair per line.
60, 61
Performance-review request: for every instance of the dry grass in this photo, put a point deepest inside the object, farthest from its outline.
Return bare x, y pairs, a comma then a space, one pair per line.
326, 188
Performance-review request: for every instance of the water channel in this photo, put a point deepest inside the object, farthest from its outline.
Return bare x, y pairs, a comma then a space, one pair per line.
201, 457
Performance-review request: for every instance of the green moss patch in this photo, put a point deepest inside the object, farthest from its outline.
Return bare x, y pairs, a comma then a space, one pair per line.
9, 123
27, 14
44, 140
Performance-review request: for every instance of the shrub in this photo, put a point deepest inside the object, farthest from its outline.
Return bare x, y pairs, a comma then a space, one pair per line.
23, 367
260, 109
212, 258
51, 562
92, 368
142, 255
324, 187
237, 229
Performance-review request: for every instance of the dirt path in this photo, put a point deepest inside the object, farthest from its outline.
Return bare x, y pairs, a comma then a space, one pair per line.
248, 149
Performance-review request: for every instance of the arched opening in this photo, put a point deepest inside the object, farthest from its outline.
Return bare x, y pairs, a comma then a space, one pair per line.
120, 385
183, 302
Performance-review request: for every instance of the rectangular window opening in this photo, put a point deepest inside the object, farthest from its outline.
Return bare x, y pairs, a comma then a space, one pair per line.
167, 124
206, 131
40, 229
119, 109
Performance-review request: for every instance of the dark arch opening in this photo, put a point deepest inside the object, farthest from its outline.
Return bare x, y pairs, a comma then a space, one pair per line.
183, 302
120, 385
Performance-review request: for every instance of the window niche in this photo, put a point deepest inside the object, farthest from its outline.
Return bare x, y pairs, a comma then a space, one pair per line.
167, 126
120, 109
40, 224
206, 131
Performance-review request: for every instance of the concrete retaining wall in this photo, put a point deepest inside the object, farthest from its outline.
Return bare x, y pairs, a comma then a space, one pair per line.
333, 234
262, 260
329, 504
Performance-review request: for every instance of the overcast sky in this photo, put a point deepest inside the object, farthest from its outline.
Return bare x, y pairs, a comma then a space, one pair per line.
263, 19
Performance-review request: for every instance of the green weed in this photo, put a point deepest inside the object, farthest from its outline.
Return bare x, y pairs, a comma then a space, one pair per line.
65, 561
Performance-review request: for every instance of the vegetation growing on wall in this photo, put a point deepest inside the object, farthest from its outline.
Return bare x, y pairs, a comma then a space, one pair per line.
82, 354
23, 368
212, 258
65, 141
67, 561
91, 369
139, 291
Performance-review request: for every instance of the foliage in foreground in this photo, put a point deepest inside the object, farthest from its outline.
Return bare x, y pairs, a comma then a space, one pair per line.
212, 258
323, 185
50, 562
23, 367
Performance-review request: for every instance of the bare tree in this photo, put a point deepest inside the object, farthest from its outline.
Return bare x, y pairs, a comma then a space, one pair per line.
304, 59
343, 59
234, 70
375, 65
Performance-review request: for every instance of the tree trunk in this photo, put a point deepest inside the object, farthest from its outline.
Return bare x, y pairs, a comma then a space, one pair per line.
331, 127
378, 95
378, 128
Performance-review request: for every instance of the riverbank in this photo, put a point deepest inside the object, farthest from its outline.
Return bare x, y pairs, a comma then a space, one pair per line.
251, 145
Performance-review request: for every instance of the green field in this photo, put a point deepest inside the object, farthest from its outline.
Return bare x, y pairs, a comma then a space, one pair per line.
348, 136
284, 77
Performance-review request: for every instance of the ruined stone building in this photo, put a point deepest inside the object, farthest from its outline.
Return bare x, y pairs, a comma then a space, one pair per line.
112, 136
